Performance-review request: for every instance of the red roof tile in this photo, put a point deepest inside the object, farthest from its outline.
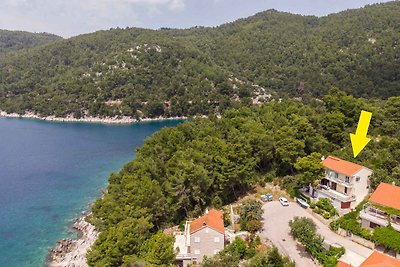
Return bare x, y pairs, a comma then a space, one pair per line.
343, 264
341, 166
386, 195
377, 259
213, 219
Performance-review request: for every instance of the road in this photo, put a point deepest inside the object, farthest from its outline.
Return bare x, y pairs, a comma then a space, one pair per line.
276, 229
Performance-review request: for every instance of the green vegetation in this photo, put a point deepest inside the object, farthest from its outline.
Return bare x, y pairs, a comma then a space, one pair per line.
251, 216
11, 41
387, 237
304, 230
239, 250
310, 168
350, 222
180, 171
169, 72
324, 207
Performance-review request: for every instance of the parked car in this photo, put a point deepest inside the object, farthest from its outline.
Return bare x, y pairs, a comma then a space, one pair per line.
284, 201
302, 203
267, 197
326, 187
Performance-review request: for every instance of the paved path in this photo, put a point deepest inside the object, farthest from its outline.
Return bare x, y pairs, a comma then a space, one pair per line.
276, 229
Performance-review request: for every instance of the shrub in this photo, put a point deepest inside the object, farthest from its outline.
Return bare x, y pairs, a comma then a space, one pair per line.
387, 237
251, 216
238, 248
254, 226
349, 222
227, 218
325, 204
326, 215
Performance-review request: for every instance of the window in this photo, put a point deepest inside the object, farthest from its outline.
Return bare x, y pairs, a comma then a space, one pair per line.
197, 239
347, 179
197, 251
216, 239
358, 178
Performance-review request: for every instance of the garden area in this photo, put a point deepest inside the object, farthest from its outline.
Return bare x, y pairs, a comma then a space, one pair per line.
324, 207
304, 230
383, 236
250, 253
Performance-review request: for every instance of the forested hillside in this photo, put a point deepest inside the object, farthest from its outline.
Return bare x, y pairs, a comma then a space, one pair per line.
137, 72
16, 40
180, 171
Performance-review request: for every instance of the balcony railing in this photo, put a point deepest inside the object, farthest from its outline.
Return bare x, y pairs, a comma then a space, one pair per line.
336, 195
340, 181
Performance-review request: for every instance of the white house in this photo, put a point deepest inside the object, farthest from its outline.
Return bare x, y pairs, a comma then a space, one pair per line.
345, 183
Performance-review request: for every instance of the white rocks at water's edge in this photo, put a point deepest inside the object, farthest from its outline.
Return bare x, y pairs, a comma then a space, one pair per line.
106, 120
72, 253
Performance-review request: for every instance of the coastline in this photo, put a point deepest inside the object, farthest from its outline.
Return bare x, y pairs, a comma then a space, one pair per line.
89, 119
72, 252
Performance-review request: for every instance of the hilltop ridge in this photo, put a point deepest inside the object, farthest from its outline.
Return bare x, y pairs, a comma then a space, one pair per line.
204, 70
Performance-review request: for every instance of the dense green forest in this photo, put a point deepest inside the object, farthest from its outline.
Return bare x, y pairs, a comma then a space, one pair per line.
180, 171
11, 41
170, 72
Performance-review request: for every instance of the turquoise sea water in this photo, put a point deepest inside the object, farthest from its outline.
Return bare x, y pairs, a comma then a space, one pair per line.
50, 173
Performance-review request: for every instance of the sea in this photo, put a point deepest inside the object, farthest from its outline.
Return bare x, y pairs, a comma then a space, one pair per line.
50, 173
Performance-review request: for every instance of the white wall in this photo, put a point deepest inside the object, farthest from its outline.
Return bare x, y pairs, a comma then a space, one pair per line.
361, 189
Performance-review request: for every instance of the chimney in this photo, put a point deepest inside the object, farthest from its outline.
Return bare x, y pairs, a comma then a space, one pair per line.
206, 212
323, 158
394, 183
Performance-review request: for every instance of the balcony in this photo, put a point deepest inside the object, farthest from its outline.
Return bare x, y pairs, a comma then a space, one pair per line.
379, 217
339, 181
330, 193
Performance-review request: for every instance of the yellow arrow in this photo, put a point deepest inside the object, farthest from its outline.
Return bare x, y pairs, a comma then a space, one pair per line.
360, 139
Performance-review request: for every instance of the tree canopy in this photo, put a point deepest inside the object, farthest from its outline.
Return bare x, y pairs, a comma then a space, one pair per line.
170, 72
180, 171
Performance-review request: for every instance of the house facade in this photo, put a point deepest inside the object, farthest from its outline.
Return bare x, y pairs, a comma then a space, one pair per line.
383, 207
345, 183
202, 237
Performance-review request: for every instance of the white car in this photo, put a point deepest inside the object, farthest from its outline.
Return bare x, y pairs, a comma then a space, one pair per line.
284, 201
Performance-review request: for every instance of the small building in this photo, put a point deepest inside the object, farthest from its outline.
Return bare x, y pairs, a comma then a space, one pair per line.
345, 183
375, 212
204, 236
377, 259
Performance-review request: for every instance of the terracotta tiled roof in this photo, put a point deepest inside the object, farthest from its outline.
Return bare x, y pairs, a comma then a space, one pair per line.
212, 219
341, 166
343, 264
380, 260
386, 195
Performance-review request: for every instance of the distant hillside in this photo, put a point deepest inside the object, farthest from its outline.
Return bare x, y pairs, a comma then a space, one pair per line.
169, 72
17, 40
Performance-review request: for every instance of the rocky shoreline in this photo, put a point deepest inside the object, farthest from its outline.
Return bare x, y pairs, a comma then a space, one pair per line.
88, 119
72, 253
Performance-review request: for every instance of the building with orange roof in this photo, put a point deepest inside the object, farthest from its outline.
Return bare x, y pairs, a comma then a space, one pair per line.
377, 259
377, 212
204, 236
345, 183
